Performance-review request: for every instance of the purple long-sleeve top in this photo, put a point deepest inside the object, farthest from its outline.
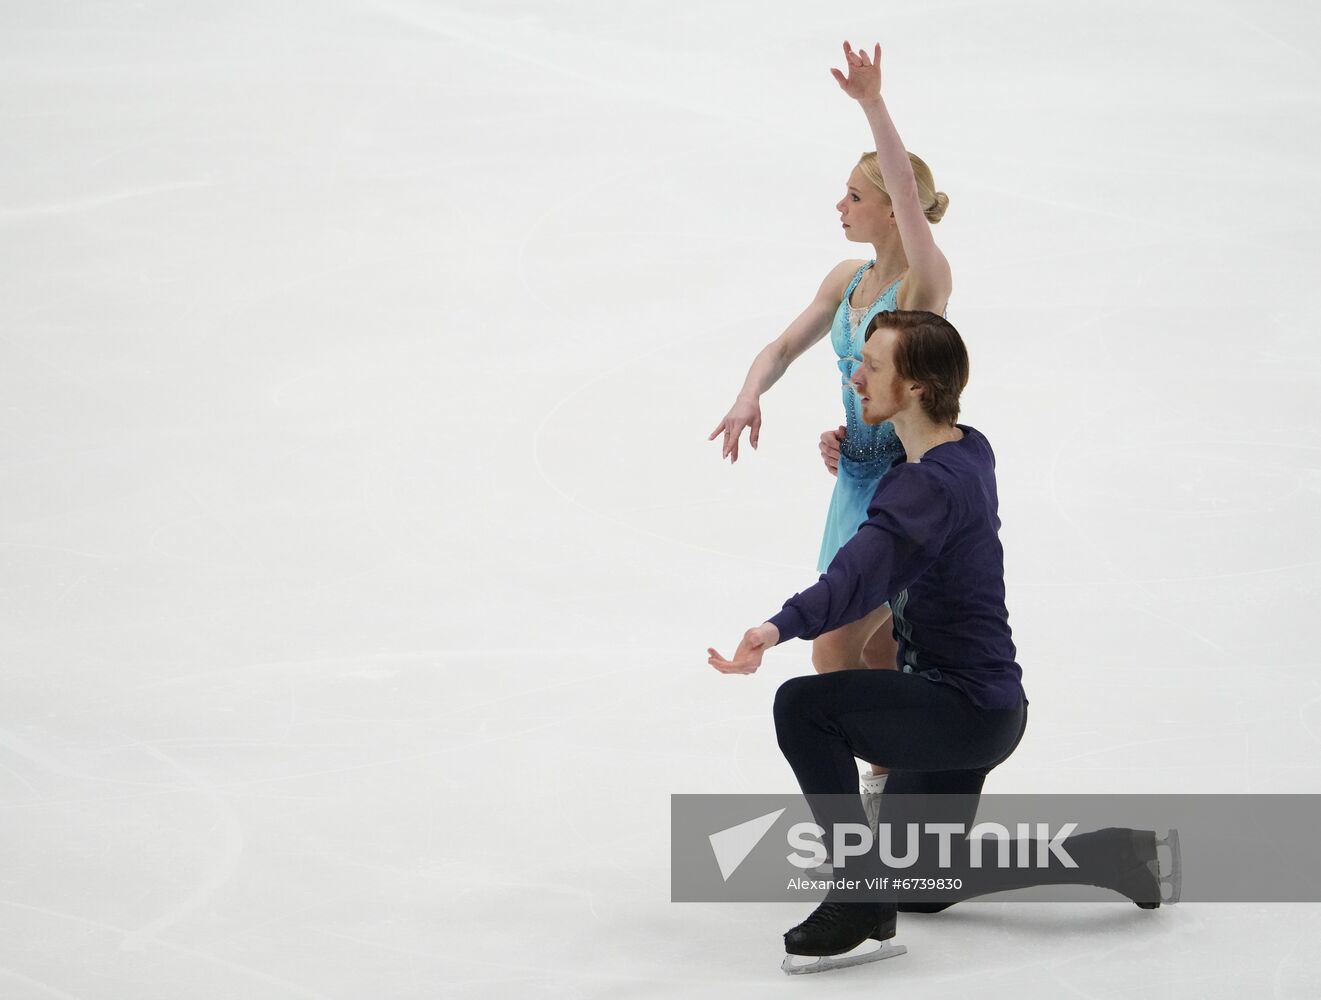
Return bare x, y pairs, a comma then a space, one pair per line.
931, 547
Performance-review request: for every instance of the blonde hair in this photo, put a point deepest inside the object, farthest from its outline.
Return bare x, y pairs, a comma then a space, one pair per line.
933, 202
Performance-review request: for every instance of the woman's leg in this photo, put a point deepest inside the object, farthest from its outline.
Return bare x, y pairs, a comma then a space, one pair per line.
881, 651
845, 648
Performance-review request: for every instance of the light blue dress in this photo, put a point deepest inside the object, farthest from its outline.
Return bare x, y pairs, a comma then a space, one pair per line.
867, 452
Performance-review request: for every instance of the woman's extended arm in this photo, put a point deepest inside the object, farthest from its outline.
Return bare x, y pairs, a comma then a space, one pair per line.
774, 359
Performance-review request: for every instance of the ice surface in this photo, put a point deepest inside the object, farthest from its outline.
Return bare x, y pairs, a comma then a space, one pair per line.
360, 540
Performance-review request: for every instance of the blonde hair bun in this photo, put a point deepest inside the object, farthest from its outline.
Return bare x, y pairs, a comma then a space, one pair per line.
936, 201
936, 211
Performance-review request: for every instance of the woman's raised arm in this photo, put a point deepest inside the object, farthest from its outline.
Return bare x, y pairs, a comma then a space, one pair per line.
929, 280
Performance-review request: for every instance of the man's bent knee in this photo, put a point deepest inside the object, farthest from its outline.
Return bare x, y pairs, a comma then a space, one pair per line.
793, 707
792, 699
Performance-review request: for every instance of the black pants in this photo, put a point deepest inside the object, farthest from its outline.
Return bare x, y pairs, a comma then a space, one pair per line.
935, 742
930, 735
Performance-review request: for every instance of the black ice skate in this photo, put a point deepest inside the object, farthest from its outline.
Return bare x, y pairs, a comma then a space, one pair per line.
838, 935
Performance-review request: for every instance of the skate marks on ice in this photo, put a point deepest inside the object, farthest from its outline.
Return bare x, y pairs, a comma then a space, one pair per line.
45, 988
221, 871
212, 880
864, 954
85, 924
94, 202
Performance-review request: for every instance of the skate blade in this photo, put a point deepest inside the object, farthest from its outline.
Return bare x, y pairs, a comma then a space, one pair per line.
798, 965
1174, 880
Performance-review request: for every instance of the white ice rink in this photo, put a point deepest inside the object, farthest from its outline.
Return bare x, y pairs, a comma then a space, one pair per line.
360, 541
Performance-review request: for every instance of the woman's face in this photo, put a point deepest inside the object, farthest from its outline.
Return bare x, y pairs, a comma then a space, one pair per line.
864, 211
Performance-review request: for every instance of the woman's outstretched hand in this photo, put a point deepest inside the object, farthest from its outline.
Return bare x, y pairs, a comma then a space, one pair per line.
747, 658
744, 413
864, 74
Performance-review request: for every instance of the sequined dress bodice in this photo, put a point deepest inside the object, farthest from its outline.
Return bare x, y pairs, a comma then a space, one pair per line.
875, 447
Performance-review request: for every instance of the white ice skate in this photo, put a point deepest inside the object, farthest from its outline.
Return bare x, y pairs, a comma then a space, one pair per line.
871, 787
1144, 883
1174, 880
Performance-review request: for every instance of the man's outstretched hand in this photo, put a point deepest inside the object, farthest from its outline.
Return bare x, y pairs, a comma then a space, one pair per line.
747, 658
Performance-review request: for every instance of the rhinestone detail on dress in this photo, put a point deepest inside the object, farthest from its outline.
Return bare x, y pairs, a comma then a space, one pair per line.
874, 447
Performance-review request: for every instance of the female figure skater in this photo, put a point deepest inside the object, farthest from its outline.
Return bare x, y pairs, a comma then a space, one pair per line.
890, 203
931, 547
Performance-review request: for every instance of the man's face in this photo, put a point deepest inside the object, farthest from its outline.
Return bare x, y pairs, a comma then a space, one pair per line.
876, 382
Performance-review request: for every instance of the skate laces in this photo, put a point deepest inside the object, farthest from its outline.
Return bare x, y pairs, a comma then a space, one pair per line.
826, 913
